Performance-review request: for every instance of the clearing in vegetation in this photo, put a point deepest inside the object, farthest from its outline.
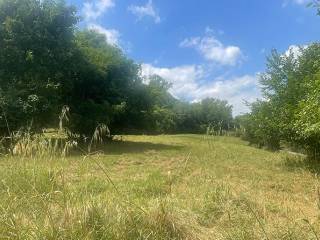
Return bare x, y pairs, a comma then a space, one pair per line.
161, 187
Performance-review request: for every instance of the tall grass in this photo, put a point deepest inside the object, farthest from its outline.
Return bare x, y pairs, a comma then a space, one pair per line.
213, 188
40, 204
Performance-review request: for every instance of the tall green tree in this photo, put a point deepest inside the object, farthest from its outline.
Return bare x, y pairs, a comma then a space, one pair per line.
46, 63
36, 41
290, 110
106, 83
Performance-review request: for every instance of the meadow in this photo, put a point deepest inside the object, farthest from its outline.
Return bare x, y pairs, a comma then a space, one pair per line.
161, 187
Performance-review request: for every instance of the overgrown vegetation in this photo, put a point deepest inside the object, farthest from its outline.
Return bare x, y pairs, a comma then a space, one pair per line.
47, 63
64, 91
163, 187
290, 111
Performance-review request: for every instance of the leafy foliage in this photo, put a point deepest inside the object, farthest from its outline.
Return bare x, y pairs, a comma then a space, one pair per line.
46, 63
290, 111
36, 50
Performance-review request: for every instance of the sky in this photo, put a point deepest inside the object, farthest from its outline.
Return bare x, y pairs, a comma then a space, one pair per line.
204, 48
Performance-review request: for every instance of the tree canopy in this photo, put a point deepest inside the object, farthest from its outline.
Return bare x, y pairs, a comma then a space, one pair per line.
47, 63
290, 111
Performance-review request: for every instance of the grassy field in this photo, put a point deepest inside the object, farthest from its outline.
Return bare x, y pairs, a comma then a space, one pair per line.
161, 187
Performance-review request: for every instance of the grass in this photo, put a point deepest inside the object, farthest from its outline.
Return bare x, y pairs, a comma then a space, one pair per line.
161, 187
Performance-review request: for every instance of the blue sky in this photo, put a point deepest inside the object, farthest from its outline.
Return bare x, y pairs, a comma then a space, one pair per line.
205, 48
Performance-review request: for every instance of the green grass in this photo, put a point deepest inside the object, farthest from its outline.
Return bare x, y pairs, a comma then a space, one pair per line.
161, 187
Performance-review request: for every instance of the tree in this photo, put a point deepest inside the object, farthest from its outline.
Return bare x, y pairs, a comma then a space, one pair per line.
262, 126
316, 5
47, 64
307, 115
159, 114
36, 39
197, 117
290, 110
105, 84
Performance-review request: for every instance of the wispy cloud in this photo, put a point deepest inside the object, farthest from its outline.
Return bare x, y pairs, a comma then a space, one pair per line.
112, 35
186, 84
93, 10
213, 50
147, 10
298, 2
301, 2
295, 50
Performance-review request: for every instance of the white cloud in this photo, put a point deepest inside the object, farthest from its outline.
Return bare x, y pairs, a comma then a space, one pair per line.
147, 10
298, 2
93, 10
186, 85
213, 50
295, 50
236, 91
183, 78
301, 2
210, 30
112, 35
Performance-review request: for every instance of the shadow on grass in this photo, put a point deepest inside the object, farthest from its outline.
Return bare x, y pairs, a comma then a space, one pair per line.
294, 163
121, 147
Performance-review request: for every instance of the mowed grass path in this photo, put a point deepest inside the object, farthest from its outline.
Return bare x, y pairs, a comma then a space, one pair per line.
161, 187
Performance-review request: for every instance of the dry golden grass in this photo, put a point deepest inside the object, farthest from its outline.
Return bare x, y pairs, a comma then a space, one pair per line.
161, 187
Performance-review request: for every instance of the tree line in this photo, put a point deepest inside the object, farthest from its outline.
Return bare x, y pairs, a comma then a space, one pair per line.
48, 64
289, 114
